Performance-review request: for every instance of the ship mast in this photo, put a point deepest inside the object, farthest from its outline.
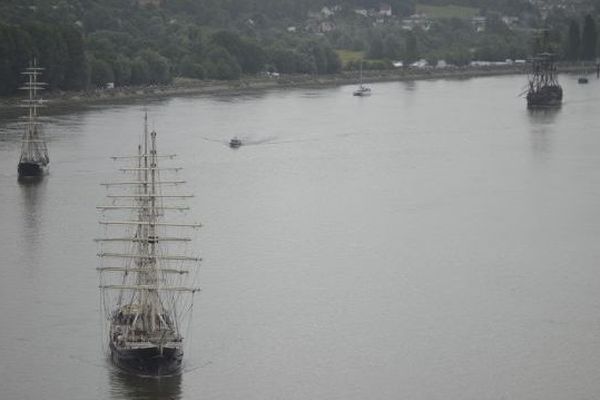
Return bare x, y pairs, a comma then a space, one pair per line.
543, 72
144, 286
33, 148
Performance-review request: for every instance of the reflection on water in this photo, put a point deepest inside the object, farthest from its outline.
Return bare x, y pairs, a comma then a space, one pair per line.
542, 125
544, 116
124, 386
30, 182
239, 97
33, 191
410, 86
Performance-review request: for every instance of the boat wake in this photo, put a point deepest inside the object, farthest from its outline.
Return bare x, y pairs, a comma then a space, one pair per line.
272, 140
250, 141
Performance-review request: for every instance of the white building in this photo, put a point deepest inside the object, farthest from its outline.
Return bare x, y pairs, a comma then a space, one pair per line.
385, 10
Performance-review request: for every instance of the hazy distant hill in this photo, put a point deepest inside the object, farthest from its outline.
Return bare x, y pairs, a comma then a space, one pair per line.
103, 13
92, 42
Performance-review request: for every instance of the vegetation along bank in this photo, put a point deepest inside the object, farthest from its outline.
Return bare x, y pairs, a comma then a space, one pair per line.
117, 47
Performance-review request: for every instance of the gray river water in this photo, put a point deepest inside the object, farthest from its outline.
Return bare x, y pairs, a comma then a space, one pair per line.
433, 241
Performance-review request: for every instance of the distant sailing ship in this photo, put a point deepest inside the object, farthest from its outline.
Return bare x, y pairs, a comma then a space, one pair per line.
362, 89
235, 142
34, 153
544, 90
148, 295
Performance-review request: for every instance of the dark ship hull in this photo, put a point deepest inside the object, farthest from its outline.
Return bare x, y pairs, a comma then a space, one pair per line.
30, 169
547, 96
148, 361
235, 143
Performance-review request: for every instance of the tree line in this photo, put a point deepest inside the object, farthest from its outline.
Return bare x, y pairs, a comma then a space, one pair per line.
88, 43
73, 62
59, 49
582, 44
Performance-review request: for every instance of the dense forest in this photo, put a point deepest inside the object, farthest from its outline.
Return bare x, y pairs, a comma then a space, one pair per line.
88, 43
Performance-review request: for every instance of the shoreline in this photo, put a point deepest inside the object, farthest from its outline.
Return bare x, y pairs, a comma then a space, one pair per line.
189, 87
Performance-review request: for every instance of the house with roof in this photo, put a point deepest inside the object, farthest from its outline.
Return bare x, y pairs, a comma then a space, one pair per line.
385, 10
479, 23
417, 21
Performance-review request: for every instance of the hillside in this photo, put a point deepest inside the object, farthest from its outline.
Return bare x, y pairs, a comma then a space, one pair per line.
86, 43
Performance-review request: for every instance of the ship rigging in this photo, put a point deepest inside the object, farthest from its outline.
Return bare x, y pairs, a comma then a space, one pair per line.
543, 89
34, 159
147, 276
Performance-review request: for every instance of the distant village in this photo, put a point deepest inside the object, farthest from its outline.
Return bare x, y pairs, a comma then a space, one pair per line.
323, 21
189, 39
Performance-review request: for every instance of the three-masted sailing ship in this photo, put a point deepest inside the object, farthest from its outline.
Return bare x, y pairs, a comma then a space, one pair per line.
34, 153
544, 90
147, 274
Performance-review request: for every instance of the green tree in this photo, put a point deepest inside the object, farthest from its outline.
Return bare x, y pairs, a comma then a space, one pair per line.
51, 52
334, 64
196, 42
8, 83
16, 52
412, 52
158, 67
392, 46
140, 71
101, 72
221, 64
574, 43
122, 68
306, 64
284, 59
76, 69
249, 56
191, 68
317, 51
375, 46
403, 7
589, 38
457, 55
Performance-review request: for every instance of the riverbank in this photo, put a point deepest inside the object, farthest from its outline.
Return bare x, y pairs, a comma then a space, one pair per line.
184, 86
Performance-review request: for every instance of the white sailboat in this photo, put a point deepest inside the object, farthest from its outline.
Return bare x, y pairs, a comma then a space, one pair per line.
147, 275
362, 89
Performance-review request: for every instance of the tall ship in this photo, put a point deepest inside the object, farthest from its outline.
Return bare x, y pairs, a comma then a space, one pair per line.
543, 90
34, 158
147, 274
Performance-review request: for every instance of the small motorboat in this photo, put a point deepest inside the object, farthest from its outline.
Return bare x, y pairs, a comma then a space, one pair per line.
235, 142
582, 79
362, 91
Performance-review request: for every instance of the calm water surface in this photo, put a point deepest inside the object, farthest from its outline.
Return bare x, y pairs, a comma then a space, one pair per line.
433, 241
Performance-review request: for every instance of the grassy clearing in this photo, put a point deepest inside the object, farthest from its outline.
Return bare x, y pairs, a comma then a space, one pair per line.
450, 11
348, 55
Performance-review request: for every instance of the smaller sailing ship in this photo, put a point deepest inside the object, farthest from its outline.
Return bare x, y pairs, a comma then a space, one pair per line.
235, 142
34, 153
543, 90
583, 79
147, 294
362, 89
